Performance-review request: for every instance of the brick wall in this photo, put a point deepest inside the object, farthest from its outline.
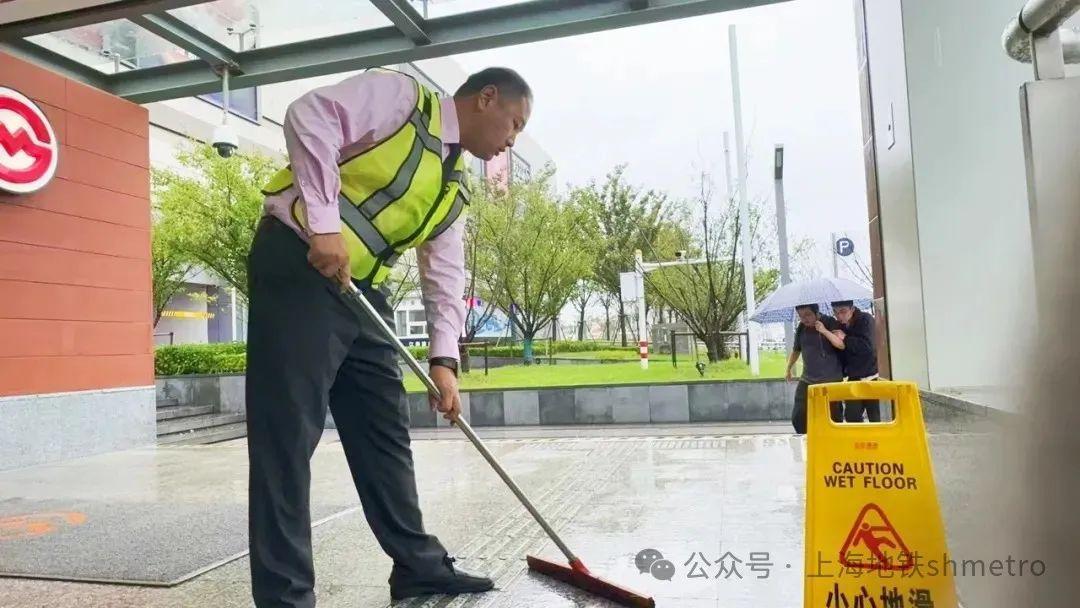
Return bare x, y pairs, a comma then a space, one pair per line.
75, 311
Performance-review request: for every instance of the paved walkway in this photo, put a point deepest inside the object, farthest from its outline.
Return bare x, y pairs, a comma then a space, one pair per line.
690, 496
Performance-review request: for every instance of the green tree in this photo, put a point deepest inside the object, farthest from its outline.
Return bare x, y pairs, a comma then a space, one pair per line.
607, 300
626, 219
168, 269
541, 248
404, 279
707, 292
584, 292
211, 206
480, 256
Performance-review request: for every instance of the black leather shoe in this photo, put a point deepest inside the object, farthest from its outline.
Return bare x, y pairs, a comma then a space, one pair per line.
448, 581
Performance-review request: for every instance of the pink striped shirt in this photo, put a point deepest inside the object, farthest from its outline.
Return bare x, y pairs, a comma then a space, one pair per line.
344, 119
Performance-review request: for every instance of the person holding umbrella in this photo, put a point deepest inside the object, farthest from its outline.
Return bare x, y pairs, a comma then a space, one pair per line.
819, 340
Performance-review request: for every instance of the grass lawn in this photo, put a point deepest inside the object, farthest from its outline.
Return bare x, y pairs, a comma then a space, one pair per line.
622, 355
598, 354
660, 370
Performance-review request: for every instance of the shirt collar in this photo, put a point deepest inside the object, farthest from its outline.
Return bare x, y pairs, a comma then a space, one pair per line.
451, 129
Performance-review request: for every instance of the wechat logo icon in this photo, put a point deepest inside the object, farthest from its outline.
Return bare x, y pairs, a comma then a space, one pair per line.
653, 562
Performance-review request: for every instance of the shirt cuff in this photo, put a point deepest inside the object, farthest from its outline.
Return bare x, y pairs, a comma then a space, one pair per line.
443, 345
323, 219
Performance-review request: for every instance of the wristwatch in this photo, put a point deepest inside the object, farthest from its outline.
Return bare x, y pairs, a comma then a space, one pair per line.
448, 362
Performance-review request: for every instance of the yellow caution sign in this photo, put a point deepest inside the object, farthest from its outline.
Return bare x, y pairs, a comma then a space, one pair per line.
874, 534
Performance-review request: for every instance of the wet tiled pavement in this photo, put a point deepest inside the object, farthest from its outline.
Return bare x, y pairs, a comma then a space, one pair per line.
726, 510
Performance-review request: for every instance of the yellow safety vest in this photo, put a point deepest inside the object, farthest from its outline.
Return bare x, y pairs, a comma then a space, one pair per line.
396, 194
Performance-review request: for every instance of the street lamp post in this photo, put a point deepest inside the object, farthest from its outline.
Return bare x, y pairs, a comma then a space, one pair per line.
781, 235
643, 336
744, 204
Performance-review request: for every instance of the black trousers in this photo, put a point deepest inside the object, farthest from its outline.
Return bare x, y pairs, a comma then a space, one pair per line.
798, 412
309, 349
853, 410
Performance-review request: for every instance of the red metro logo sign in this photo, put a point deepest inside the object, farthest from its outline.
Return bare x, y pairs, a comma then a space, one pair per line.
28, 146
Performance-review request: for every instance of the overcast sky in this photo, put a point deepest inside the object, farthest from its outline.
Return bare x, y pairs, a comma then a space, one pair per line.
658, 97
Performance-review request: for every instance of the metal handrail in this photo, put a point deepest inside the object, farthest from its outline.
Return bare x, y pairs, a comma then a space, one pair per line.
1040, 18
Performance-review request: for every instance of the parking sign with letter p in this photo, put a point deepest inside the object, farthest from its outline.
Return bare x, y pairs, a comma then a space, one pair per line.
844, 246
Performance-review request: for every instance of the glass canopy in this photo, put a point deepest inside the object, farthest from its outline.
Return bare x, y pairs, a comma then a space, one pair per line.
151, 50
112, 46
246, 24
239, 25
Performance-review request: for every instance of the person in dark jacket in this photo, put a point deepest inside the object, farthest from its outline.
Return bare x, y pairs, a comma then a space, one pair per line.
819, 341
859, 357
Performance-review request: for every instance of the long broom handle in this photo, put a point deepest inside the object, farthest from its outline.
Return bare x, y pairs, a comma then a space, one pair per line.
359, 298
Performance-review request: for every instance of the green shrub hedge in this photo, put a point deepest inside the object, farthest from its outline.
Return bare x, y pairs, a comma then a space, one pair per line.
229, 357
540, 349
185, 359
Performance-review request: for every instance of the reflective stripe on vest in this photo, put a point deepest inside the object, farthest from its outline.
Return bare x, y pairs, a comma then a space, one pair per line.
431, 221
396, 189
396, 194
460, 201
362, 226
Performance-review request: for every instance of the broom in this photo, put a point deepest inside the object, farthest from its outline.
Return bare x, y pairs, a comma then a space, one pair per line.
575, 573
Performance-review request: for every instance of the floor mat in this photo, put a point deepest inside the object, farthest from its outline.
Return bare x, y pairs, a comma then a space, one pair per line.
157, 544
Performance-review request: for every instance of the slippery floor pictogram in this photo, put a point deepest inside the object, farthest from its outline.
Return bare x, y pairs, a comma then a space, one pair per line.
874, 544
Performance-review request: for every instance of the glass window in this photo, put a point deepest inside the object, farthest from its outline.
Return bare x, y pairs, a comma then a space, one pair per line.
243, 102
519, 168
417, 316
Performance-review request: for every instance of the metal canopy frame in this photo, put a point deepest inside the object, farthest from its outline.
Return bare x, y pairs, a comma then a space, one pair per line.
405, 19
181, 34
410, 38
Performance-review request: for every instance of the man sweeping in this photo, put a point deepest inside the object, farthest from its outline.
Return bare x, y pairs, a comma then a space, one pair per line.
375, 168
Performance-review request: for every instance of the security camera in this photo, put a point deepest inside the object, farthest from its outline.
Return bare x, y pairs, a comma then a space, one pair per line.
680, 254
225, 141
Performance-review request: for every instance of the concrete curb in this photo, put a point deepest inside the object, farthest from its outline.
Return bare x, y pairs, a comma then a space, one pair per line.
756, 400
948, 401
